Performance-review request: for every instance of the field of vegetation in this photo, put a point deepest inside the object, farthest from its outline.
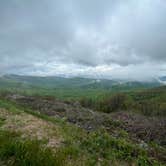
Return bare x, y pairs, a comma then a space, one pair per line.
60, 143
75, 126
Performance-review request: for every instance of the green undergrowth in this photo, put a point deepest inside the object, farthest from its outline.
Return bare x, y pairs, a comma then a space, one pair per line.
95, 148
16, 152
78, 148
103, 146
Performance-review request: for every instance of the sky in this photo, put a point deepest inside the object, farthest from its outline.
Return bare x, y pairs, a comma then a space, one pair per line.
112, 39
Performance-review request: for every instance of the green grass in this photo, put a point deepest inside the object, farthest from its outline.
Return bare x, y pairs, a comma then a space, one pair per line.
16, 152
60, 93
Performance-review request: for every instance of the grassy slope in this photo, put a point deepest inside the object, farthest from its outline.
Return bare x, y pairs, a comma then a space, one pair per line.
75, 146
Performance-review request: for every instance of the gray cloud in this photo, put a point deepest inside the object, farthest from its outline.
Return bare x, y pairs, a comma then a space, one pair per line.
84, 35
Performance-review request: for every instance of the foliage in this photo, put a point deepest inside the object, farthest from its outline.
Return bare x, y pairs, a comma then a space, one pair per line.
106, 148
113, 103
80, 147
150, 102
19, 153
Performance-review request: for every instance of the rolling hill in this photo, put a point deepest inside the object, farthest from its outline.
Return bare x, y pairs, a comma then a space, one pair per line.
75, 82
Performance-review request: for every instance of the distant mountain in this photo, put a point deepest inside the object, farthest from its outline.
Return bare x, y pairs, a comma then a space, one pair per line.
75, 82
56, 82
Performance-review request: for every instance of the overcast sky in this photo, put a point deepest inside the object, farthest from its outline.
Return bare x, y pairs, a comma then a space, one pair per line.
98, 38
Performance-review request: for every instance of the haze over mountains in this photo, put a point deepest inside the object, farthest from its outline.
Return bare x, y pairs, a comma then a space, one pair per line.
75, 82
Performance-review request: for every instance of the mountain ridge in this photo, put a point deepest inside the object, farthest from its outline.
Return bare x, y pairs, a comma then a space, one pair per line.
76, 82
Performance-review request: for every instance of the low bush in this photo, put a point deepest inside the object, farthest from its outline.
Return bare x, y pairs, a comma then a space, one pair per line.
113, 103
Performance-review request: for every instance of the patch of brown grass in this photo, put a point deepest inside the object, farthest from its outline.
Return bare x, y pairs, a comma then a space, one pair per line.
31, 127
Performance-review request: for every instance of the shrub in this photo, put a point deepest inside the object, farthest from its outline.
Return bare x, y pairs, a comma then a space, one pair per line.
113, 103
151, 108
87, 102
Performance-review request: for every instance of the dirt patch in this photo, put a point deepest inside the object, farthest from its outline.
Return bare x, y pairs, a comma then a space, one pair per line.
31, 127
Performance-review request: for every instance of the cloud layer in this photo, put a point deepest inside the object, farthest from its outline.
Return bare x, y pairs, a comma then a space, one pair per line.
110, 39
